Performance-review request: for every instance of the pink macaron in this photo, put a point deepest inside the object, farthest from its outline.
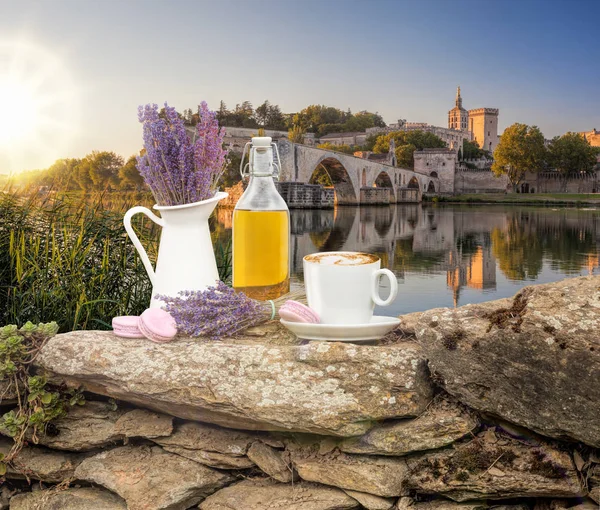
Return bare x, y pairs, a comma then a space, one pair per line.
292, 311
157, 325
126, 326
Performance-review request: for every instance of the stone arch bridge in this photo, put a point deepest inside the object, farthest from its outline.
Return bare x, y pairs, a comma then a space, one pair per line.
348, 173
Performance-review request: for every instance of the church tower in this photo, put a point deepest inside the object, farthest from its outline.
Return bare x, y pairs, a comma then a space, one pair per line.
458, 117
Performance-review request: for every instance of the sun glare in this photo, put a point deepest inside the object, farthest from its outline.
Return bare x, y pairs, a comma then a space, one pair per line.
39, 107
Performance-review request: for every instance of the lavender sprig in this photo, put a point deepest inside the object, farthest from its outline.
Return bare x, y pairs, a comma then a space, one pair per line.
216, 312
175, 168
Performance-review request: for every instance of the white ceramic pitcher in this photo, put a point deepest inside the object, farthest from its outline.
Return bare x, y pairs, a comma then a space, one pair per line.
186, 260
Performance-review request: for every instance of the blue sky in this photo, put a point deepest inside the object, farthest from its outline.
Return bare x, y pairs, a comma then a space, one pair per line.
537, 61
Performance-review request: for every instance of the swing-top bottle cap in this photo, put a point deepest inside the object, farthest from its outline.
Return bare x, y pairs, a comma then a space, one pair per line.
261, 141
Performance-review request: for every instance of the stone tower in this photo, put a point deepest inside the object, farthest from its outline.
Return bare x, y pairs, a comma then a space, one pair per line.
483, 123
458, 117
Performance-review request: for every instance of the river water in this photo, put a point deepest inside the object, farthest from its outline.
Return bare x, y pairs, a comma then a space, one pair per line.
446, 255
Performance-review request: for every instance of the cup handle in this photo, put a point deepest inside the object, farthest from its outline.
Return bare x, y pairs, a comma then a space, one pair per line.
134, 238
393, 287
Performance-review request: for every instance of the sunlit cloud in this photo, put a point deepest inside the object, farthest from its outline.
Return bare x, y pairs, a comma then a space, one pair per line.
40, 106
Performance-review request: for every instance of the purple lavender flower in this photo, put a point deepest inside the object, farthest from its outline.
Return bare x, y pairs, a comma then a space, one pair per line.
177, 169
216, 312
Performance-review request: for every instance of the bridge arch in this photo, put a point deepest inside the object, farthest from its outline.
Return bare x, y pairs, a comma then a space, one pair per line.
340, 178
413, 183
383, 180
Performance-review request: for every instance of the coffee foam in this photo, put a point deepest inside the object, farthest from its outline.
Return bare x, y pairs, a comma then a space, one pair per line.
341, 259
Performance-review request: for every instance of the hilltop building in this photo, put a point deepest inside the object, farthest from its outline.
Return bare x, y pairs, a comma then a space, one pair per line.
482, 123
592, 136
458, 117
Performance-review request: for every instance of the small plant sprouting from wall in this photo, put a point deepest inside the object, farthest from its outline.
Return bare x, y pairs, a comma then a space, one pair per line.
36, 401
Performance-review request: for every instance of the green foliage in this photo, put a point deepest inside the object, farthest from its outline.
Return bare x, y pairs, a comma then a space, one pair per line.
130, 176
38, 402
296, 134
231, 174
320, 176
346, 149
406, 144
67, 258
471, 150
521, 149
571, 154
322, 120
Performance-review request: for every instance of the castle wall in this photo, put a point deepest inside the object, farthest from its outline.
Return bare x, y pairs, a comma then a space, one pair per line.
440, 163
479, 181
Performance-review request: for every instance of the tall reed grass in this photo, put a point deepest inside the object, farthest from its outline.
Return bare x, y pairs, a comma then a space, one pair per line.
67, 258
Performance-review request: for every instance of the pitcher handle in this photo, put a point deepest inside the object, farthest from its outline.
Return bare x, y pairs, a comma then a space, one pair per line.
134, 238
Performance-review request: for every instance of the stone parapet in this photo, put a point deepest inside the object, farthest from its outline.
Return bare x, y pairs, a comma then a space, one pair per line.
457, 409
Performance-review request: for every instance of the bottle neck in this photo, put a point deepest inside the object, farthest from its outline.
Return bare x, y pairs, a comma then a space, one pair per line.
261, 164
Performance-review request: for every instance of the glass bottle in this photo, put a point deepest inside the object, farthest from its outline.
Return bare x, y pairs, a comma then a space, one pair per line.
261, 228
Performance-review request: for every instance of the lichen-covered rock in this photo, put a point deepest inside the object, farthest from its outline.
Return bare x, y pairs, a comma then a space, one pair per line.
40, 463
443, 423
371, 502
495, 466
210, 445
70, 499
271, 461
594, 483
97, 424
382, 476
148, 478
260, 494
324, 388
535, 363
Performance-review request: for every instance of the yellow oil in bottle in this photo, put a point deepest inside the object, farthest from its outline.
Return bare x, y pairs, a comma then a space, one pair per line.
261, 253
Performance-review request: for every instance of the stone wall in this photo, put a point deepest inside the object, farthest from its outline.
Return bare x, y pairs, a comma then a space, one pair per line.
489, 406
479, 181
439, 163
376, 196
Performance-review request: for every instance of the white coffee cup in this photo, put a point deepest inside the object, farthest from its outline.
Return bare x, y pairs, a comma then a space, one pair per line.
343, 287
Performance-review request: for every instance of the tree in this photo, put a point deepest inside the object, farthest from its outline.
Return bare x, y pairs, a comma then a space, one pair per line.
231, 175
571, 154
296, 134
346, 149
470, 150
521, 149
103, 168
130, 176
407, 142
262, 113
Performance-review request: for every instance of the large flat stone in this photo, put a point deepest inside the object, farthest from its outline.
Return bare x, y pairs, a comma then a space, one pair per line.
371, 502
40, 463
98, 424
535, 363
148, 478
210, 445
262, 494
495, 466
324, 388
443, 423
70, 499
381, 476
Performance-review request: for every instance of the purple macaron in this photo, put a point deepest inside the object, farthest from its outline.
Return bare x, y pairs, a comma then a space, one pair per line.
157, 325
126, 326
292, 311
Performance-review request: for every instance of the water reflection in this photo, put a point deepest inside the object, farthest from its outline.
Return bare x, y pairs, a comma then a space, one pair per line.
452, 255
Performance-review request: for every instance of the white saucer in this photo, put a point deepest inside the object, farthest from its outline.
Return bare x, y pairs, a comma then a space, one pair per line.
374, 330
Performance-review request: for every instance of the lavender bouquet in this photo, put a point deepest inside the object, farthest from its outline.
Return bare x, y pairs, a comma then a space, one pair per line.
220, 311
177, 169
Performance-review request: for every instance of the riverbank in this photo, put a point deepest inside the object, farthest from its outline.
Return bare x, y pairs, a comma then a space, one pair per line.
571, 199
